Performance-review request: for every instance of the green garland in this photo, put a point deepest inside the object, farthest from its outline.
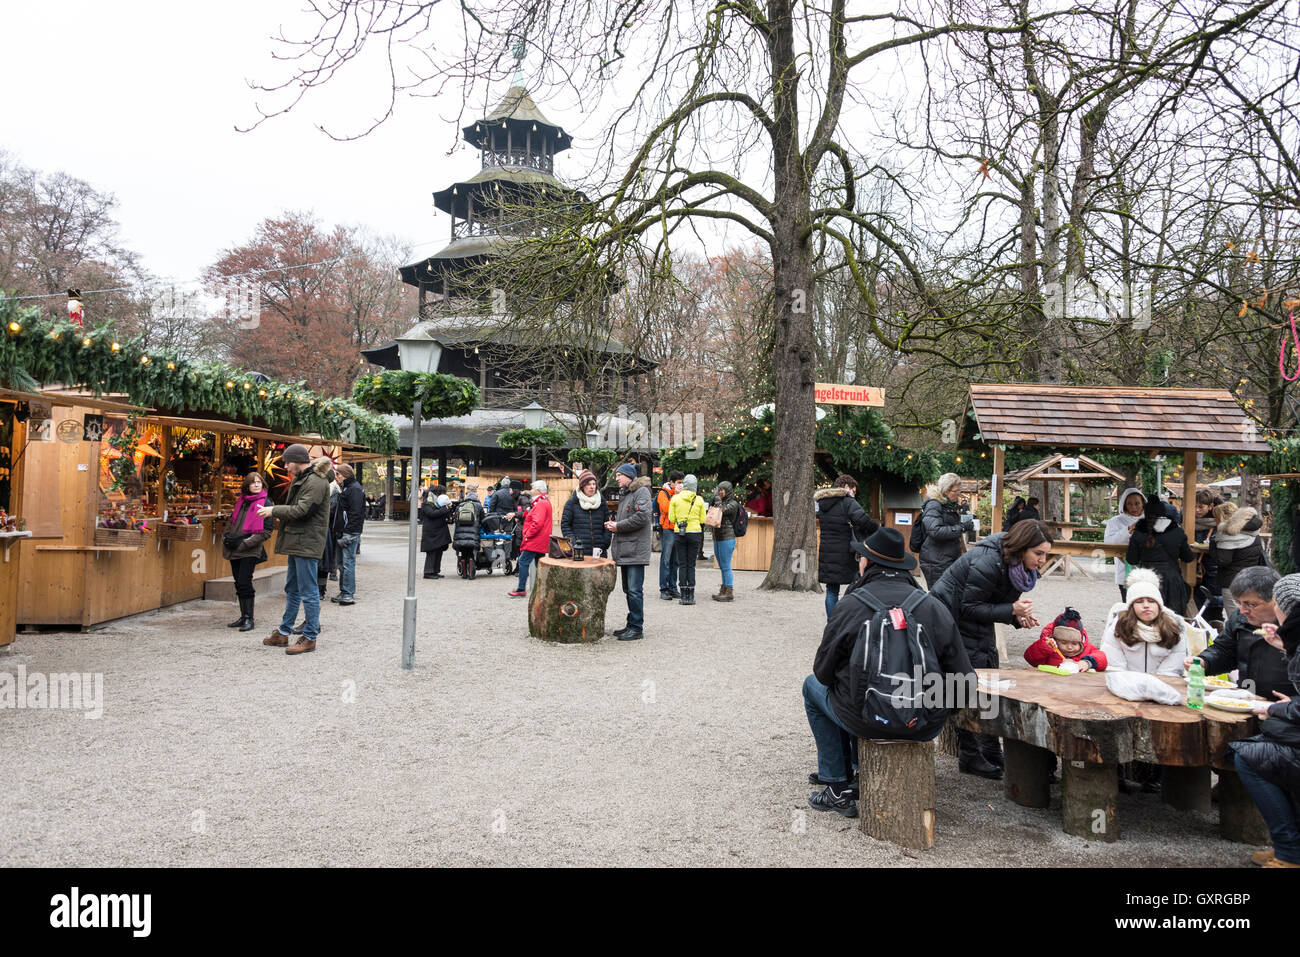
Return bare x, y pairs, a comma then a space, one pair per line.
527, 438
34, 351
394, 392
1283, 497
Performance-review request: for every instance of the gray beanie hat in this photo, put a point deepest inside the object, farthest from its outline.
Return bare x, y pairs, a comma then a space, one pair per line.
297, 453
691, 483
1286, 594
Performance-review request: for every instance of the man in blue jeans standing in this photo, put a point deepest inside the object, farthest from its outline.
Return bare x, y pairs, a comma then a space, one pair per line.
632, 527
834, 716
304, 521
352, 503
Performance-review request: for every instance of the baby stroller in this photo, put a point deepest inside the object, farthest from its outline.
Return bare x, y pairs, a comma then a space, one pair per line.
498, 548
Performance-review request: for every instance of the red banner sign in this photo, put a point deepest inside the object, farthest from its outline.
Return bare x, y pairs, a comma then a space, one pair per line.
827, 393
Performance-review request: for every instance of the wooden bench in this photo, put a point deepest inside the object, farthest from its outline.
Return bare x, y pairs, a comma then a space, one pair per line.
896, 791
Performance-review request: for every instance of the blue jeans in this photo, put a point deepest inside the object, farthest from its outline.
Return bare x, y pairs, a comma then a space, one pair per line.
723, 551
348, 569
1276, 808
832, 599
836, 747
667, 559
301, 587
633, 583
526, 558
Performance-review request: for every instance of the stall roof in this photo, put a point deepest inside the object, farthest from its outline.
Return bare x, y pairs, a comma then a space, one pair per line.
1158, 420
207, 425
1049, 468
72, 398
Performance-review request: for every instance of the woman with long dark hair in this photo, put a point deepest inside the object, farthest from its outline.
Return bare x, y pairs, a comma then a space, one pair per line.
242, 545
841, 520
981, 588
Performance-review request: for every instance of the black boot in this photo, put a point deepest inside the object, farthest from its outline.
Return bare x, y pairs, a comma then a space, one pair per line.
991, 749
243, 615
246, 605
688, 595
969, 759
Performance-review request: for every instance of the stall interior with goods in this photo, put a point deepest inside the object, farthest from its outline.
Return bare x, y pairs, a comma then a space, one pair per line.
139, 504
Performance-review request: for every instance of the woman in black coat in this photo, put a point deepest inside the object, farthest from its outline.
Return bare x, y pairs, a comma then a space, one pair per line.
435, 536
1157, 543
981, 588
841, 519
944, 523
585, 514
1269, 763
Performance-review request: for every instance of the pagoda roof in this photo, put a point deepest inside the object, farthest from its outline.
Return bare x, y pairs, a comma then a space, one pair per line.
517, 106
455, 198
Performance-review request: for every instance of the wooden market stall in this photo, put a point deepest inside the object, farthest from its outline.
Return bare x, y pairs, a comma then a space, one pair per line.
1155, 421
133, 508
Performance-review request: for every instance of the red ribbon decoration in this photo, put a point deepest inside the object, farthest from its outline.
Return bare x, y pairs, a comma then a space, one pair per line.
1281, 358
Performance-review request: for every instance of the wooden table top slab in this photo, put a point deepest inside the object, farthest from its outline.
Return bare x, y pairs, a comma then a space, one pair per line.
1079, 719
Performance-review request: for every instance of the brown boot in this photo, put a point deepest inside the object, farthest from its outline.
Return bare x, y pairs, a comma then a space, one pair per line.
1261, 858
725, 593
1278, 862
302, 646
276, 640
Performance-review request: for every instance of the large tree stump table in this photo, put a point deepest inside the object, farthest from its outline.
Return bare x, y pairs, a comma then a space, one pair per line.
568, 599
1093, 732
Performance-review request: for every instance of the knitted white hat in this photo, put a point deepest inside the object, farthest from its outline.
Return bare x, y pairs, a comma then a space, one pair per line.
1143, 583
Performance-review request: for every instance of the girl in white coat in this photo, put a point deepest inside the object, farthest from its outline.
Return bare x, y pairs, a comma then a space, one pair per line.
1120, 528
1143, 635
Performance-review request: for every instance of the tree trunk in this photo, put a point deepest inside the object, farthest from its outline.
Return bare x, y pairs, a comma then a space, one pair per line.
897, 791
568, 600
794, 562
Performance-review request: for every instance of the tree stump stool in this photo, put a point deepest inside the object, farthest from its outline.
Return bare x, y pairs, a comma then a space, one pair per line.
568, 600
896, 791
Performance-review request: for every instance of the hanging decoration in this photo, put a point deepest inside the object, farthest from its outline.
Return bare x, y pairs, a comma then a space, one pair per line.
76, 313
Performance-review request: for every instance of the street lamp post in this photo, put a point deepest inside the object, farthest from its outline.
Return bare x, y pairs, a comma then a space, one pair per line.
534, 417
408, 607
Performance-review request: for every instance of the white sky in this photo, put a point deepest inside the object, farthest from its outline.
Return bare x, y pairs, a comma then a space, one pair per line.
142, 100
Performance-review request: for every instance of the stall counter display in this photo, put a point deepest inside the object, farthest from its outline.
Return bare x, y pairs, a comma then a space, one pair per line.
78, 580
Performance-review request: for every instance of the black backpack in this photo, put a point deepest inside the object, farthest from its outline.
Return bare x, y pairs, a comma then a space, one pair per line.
917, 538
890, 672
741, 522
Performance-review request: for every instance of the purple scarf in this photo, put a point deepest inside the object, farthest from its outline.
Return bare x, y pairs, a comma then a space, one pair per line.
253, 523
1022, 579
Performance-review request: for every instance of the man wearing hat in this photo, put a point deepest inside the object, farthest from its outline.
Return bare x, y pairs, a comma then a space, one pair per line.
630, 548
304, 521
835, 719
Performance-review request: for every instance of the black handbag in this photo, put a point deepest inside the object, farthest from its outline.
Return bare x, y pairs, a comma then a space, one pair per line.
233, 539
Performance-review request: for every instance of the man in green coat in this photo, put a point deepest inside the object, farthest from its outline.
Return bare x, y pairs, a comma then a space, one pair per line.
304, 521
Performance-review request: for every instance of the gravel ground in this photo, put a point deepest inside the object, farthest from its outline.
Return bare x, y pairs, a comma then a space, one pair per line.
688, 748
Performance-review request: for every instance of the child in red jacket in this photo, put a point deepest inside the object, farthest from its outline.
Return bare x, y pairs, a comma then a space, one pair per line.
1064, 643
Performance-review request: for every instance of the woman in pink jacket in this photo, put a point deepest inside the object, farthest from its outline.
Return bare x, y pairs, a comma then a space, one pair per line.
537, 536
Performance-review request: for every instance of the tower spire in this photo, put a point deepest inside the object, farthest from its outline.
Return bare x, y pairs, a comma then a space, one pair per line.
519, 50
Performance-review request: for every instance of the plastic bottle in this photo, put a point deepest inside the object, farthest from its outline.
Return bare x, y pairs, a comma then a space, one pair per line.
1196, 685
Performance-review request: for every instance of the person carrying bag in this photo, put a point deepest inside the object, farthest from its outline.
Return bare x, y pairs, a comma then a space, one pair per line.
243, 545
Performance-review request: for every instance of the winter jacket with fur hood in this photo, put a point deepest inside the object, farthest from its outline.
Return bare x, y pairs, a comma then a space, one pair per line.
1117, 530
839, 517
1235, 545
978, 592
304, 517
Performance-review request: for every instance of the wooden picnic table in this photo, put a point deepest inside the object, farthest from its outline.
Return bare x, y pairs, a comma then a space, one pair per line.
1092, 732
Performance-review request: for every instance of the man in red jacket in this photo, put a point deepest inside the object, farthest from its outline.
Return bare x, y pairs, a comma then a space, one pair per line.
537, 536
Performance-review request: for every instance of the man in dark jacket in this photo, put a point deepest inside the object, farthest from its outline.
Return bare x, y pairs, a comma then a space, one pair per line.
630, 545
352, 507
835, 719
304, 519
500, 504
1260, 668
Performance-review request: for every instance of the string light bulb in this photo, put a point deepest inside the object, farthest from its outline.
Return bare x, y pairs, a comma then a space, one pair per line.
144, 360
15, 327
247, 386
86, 341
229, 384
116, 347
171, 365
261, 393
